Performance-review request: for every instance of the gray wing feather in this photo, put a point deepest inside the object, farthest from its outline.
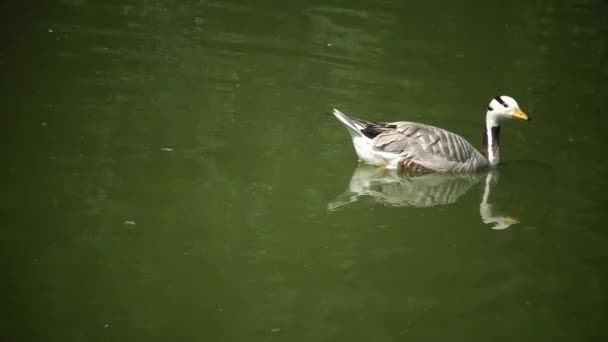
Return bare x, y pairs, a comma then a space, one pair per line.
430, 146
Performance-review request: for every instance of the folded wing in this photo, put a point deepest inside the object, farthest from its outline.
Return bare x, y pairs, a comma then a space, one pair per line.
431, 147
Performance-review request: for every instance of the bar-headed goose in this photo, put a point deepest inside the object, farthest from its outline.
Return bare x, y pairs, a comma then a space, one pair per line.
416, 147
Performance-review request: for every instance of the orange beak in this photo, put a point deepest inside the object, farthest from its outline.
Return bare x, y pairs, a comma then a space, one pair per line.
519, 114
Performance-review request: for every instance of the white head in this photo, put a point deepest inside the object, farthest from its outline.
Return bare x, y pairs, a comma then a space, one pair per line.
501, 108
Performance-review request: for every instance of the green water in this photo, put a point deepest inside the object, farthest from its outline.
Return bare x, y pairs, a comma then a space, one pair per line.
169, 172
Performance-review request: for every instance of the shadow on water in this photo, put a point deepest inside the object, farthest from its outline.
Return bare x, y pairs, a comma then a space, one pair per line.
393, 189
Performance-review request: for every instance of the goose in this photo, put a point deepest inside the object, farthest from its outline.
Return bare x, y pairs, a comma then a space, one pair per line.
415, 147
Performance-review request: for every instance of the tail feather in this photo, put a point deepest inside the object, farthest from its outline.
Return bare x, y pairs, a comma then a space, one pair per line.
354, 127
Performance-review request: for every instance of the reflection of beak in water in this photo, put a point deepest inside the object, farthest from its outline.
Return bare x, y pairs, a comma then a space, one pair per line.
486, 210
426, 190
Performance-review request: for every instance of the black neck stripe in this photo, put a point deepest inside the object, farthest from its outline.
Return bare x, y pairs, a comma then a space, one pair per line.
495, 136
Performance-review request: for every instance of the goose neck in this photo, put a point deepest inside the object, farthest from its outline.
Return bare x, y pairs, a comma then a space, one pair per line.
491, 142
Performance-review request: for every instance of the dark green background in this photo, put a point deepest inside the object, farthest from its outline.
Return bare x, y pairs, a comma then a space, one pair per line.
232, 238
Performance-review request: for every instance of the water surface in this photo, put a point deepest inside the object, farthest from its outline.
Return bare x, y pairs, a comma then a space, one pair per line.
169, 172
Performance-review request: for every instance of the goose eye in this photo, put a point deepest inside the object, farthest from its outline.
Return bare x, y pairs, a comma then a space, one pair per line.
505, 105
490, 108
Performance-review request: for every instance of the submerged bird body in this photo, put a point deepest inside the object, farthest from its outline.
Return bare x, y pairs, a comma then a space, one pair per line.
415, 147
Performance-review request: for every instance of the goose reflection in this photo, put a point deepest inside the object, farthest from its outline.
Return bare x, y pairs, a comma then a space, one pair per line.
393, 189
